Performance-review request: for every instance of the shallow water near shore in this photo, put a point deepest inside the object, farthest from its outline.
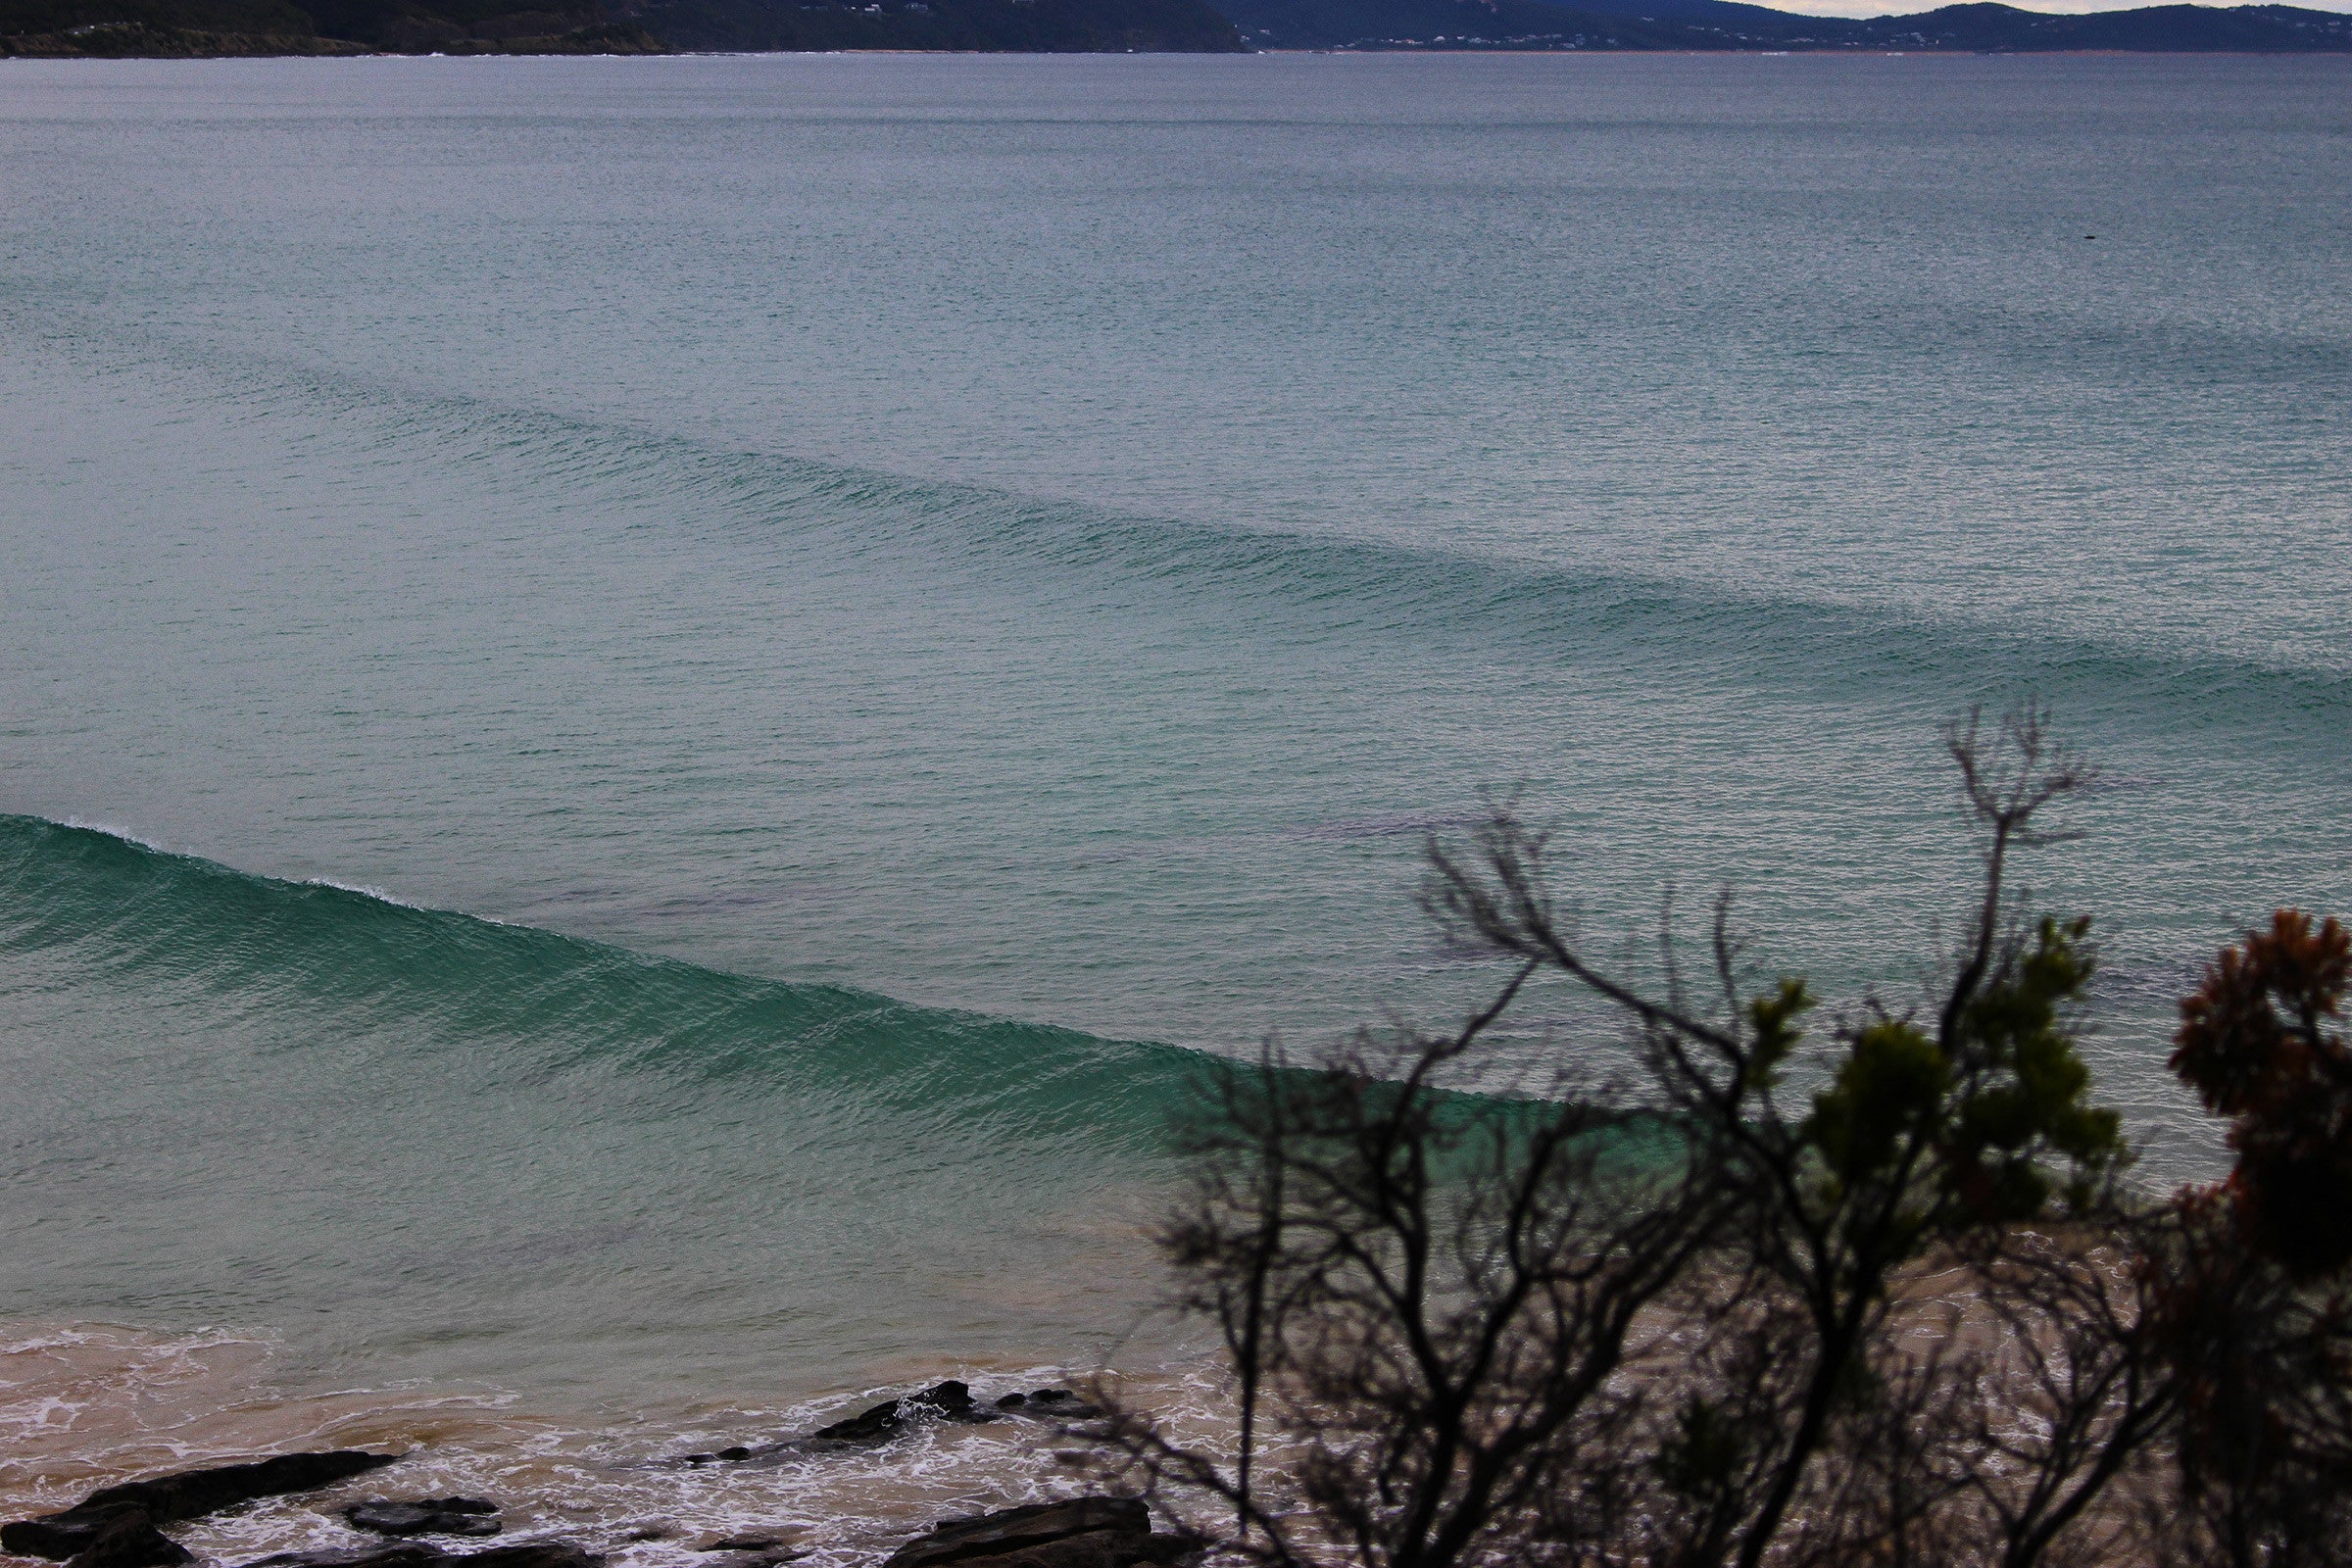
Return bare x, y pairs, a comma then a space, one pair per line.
649, 709
114, 1403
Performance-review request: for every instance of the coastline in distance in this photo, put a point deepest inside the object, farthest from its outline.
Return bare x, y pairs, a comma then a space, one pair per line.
197, 29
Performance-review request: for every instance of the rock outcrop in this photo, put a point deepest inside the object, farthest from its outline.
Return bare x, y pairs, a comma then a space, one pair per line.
1082, 1533
115, 1512
425, 1516
1051, 1404
416, 1554
943, 1402
951, 1401
753, 1548
130, 1541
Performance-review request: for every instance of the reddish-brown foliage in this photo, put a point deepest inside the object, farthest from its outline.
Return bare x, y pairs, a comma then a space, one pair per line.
2254, 1044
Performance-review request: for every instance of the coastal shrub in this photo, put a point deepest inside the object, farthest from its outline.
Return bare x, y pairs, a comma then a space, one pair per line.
2252, 1310
1751, 1294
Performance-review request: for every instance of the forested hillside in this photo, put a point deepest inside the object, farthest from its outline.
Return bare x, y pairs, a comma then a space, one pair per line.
1037, 27
212, 28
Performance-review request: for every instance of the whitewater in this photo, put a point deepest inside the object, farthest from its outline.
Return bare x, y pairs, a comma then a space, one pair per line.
652, 712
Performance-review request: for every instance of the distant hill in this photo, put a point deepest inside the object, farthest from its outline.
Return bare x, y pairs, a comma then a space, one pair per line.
212, 28
1720, 13
1026, 26
2153, 28
1721, 24
1437, 24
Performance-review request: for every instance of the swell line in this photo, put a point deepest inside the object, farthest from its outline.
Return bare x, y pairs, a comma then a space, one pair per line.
1305, 586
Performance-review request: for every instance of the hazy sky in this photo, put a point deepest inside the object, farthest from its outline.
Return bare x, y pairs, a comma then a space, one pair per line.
1880, 7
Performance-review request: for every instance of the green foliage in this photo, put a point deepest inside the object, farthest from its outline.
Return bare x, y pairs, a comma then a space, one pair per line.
1892, 1082
1979, 1128
2025, 1105
1772, 1021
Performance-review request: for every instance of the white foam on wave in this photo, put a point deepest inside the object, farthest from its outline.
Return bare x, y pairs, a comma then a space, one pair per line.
365, 891
126, 835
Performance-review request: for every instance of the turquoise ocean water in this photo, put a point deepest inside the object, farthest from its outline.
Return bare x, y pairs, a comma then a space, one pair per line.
648, 707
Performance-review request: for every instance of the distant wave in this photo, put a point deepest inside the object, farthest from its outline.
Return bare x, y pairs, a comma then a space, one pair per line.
1310, 586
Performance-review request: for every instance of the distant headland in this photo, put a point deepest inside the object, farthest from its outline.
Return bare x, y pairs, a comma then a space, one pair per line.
1725, 24
199, 29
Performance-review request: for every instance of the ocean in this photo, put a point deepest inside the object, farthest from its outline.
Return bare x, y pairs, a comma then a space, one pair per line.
653, 711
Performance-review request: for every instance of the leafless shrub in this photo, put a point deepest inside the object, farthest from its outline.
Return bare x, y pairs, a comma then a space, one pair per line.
1872, 1296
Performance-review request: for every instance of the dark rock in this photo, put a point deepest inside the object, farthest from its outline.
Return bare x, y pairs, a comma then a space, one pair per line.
752, 1549
876, 1423
1083, 1533
1054, 1405
732, 1455
59, 1536
948, 1401
1100, 1549
425, 1516
132, 1541
182, 1495
416, 1554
